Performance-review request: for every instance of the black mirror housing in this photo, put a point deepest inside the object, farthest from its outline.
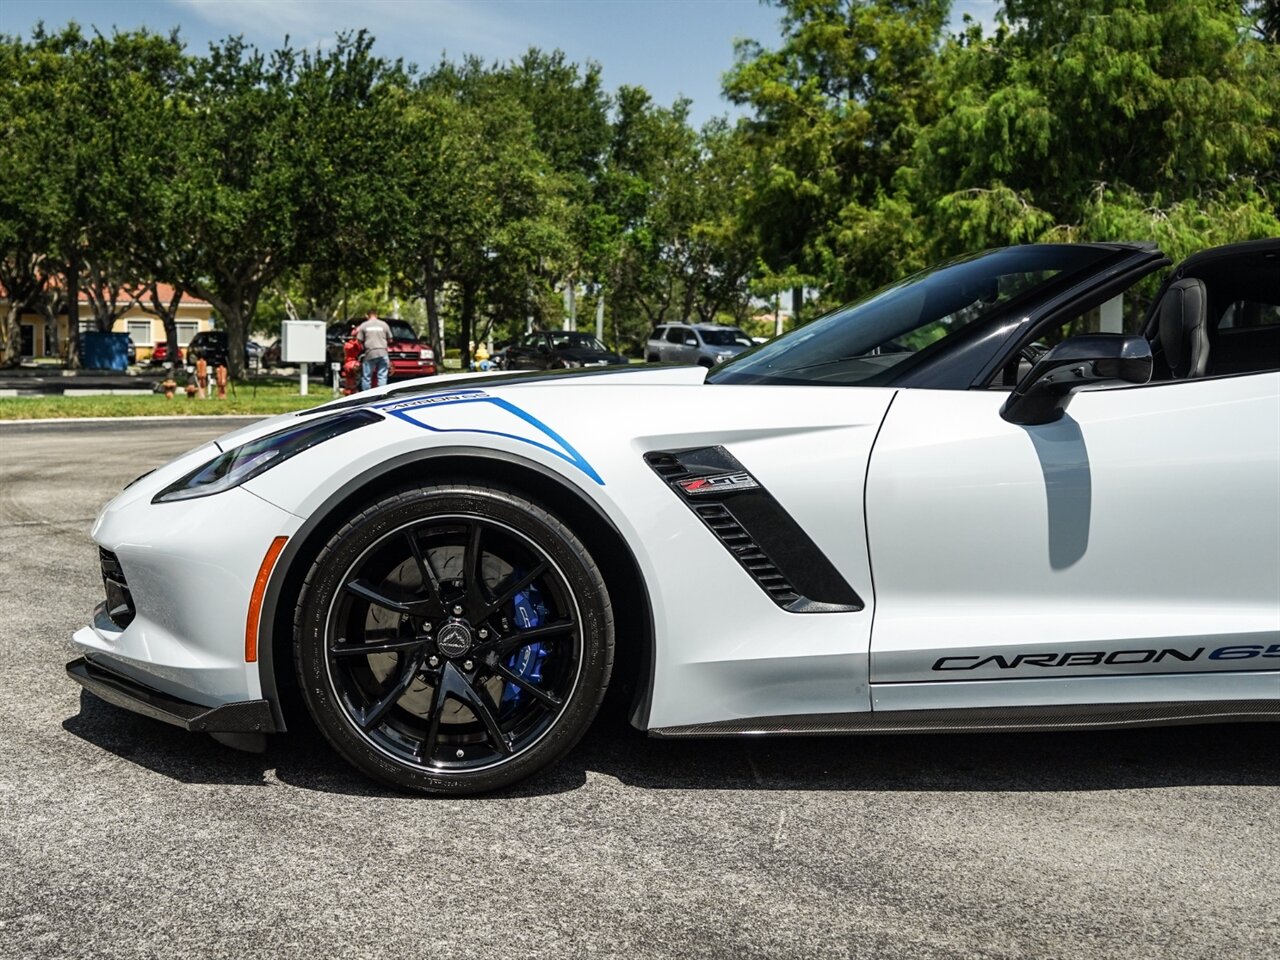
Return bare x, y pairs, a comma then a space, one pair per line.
1087, 360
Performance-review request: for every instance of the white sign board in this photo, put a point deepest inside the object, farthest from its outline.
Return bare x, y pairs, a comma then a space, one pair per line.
302, 341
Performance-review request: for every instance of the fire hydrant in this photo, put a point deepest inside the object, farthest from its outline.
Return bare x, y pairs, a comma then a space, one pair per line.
202, 376
220, 375
169, 386
351, 351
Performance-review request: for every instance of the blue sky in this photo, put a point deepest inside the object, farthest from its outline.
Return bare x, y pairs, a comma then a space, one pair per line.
671, 47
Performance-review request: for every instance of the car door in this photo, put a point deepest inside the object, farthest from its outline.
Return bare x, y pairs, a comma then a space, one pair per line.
515, 353
679, 348
1127, 553
525, 353
656, 345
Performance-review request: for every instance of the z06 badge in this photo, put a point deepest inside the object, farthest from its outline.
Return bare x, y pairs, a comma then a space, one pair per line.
725, 483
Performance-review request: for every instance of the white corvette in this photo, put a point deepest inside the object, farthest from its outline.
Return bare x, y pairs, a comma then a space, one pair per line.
967, 502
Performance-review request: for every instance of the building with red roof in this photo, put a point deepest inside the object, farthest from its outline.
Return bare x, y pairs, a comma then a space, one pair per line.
41, 339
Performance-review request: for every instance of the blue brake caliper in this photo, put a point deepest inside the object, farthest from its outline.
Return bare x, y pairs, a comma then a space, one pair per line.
526, 663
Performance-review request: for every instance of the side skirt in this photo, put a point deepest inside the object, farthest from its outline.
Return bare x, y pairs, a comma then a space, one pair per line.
1096, 716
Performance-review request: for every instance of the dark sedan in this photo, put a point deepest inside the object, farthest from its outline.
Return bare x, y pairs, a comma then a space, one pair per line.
558, 350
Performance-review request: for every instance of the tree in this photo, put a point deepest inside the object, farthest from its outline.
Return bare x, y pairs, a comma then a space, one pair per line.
483, 212
677, 250
43, 204
836, 110
274, 169
647, 184
80, 164
721, 252
146, 224
124, 81
569, 112
25, 216
1103, 120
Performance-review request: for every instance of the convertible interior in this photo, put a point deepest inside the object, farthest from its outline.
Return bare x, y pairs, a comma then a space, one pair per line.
1221, 316
1218, 315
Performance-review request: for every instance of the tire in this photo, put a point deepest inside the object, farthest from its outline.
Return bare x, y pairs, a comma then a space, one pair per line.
491, 631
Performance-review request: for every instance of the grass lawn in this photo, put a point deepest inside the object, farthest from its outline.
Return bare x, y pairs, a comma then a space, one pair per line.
270, 399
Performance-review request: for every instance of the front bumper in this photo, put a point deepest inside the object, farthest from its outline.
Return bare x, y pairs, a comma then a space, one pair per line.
405, 368
179, 578
243, 724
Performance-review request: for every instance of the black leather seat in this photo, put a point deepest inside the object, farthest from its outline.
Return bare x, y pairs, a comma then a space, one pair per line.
1184, 328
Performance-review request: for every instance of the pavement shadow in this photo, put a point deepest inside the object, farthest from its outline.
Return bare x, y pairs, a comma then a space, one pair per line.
1212, 755
301, 757
161, 748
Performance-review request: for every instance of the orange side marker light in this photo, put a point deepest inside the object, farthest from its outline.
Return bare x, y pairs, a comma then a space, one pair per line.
255, 599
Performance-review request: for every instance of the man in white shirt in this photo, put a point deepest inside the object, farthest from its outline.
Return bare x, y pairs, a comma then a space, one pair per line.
374, 335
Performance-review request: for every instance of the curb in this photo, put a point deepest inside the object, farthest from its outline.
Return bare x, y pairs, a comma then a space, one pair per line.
188, 419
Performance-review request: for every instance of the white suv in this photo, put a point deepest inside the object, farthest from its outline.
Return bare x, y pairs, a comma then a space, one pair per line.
705, 344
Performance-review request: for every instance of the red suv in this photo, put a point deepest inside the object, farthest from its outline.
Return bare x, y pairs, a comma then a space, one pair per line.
410, 356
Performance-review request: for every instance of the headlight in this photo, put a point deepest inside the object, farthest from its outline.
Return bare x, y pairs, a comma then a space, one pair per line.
250, 459
722, 357
428, 353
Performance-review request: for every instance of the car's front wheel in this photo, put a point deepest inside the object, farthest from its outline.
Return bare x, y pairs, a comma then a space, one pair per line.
453, 639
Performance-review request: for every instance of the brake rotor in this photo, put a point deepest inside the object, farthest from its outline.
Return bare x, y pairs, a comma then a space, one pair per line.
447, 561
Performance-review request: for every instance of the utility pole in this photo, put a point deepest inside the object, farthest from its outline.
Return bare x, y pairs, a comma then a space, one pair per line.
600, 314
73, 310
570, 306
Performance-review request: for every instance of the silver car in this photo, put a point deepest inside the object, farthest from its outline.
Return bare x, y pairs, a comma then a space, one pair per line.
705, 344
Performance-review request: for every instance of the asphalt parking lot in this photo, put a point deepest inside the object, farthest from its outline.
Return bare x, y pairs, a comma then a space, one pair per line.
122, 837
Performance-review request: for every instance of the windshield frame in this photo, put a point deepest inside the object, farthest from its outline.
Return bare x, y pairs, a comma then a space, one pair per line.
950, 361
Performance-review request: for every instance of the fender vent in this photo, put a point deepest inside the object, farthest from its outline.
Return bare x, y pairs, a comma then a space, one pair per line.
771, 547
666, 466
748, 553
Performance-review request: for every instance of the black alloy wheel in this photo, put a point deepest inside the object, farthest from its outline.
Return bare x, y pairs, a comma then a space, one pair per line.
453, 639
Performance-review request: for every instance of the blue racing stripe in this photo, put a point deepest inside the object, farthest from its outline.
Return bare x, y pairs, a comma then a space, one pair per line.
405, 410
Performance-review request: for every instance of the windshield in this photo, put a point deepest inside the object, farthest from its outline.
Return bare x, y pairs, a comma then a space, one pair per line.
577, 341
724, 337
863, 341
401, 331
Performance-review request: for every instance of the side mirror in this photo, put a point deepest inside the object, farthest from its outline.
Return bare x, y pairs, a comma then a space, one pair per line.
1095, 358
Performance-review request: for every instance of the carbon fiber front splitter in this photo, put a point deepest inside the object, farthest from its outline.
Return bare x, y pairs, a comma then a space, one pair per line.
242, 725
